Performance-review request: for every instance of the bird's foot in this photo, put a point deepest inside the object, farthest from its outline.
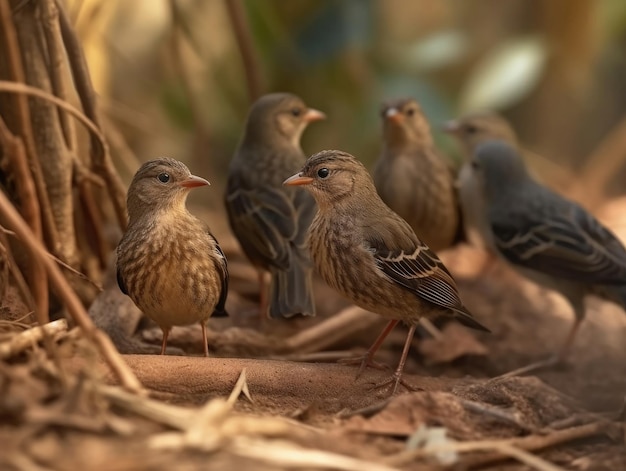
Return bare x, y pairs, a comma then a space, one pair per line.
363, 361
552, 362
395, 381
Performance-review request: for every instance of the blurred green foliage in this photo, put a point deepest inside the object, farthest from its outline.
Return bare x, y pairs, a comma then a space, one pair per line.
555, 69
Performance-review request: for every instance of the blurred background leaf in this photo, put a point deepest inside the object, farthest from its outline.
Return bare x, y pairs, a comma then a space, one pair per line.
508, 73
555, 69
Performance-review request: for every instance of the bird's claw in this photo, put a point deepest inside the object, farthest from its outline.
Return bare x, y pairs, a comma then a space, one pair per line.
395, 380
364, 361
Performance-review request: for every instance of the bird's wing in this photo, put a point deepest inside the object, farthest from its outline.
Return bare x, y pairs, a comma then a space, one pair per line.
570, 244
120, 282
264, 221
221, 265
410, 263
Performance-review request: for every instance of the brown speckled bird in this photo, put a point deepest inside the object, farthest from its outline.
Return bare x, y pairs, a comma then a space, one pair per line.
413, 179
471, 131
269, 220
371, 255
168, 261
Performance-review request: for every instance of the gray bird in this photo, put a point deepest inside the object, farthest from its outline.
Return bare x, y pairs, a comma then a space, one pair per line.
471, 131
269, 220
168, 262
548, 238
413, 179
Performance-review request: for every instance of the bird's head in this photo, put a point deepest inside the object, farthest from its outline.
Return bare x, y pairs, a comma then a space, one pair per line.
282, 117
474, 129
333, 175
499, 168
404, 123
160, 183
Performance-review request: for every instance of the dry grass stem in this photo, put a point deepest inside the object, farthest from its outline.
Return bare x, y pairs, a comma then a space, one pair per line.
328, 332
502, 449
282, 453
20, 342
68, 296
240, 387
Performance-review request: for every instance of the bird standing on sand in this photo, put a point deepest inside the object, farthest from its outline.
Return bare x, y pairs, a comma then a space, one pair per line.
269, 220
168, 261
548, 238
471, 131
371, 255
413, 179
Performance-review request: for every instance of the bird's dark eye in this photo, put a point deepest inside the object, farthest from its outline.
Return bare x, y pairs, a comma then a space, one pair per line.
163, 177
471, 129
323, 172
410, 112
296, 112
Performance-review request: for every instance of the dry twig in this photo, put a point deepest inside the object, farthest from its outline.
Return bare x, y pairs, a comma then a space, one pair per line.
20, 342
504, 448
241, 386
67, 295
342, 325
100, 151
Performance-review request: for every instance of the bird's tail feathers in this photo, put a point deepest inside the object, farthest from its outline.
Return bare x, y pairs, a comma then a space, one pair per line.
291, 291
464, 317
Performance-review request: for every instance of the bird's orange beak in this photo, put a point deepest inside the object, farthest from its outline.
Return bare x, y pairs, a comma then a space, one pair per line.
313, 115
297, 180
451, 127
193, 182
393, 115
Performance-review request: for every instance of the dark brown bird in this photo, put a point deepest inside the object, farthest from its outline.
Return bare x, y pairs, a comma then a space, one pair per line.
269, 220
471, 131
413, 179
168, 261
371, 255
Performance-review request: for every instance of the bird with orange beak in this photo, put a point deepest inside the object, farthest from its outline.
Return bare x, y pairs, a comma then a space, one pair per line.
371, 255
269, 220
413, 179
168, 262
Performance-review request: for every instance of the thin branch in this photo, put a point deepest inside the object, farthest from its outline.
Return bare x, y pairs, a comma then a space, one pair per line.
328, 332
15, 222
498, 448
99, 150
56, 60
17, 275
23, 89
241, 29
83, 178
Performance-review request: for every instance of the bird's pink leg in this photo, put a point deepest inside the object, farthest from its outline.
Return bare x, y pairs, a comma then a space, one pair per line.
166, 333
368, 359
205, 341
396, 378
